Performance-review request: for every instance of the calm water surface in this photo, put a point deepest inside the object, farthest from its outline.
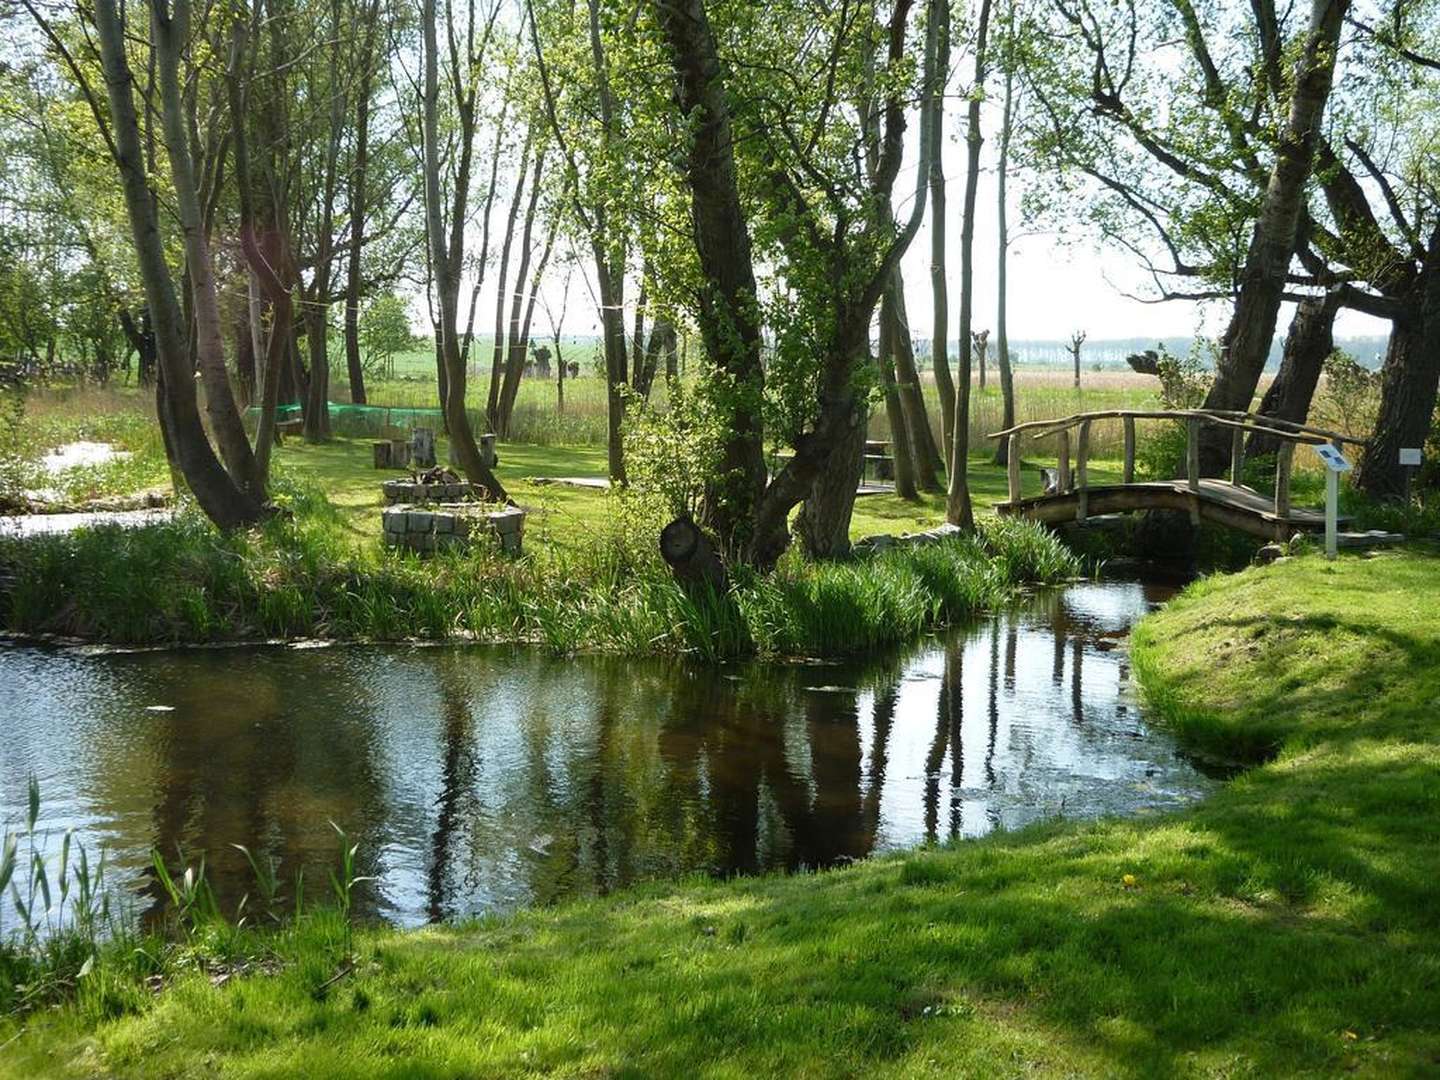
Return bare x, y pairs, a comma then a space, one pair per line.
484, 779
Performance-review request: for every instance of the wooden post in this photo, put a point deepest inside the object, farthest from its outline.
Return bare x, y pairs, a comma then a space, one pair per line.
1062, 483
1284, 461
1129, 477
1192, 452
1082, 459
1012, 466
1237, 457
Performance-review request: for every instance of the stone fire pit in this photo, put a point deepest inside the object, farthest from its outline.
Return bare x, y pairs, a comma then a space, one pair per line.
412, 492
436, 485
436, 526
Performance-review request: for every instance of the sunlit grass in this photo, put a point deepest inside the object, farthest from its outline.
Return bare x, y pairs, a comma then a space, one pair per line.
1287, 926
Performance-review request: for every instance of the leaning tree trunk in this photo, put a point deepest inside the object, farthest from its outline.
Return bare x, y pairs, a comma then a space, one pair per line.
1310, 341
170, 34
222, 500
1246, 341
1408, 385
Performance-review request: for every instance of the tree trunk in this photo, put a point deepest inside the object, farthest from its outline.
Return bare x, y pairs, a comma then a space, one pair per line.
662, 340
442, 377
958, 510
824, 519
446, 264
261, 273
729, 321
1310, 341
170, 34
497, 360
900, 436
358, 176
317, 411
222, 500
692, 556
1002, 262
939, 288
515, 358
1245, 345
617, 360
924, 454
244, 356
637, 342
1408, 384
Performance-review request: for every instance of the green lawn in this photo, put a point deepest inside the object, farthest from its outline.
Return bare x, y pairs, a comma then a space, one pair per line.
565, 516
1289, 925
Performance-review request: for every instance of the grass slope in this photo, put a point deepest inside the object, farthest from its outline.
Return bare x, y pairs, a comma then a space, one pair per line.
1288, 926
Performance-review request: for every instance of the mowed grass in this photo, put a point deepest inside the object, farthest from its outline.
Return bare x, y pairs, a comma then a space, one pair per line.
1288, 926
566, 516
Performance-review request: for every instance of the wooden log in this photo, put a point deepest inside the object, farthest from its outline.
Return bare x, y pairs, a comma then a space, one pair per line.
692, 556
1284, 464
1237, 457
1063, 484
382, 454
1129, 477
1082, 461
1012, 467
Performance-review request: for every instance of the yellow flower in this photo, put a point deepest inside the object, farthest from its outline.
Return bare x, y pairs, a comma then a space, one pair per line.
1129, 881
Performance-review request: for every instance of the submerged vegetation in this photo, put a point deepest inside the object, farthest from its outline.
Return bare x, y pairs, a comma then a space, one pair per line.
1285, 926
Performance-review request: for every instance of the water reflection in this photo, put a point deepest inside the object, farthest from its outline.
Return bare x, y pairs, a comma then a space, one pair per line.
482, 779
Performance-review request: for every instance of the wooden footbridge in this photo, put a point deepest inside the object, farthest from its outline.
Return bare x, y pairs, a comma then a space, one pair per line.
1227, 501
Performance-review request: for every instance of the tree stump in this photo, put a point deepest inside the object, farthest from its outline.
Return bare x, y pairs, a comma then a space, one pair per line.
691, 556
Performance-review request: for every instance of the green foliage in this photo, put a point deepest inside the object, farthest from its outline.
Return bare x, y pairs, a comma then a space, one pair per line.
673, 453
17, 472
384, 333
1184, 382
1349, 395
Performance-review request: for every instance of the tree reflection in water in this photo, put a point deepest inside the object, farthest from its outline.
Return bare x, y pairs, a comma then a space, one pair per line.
482, 779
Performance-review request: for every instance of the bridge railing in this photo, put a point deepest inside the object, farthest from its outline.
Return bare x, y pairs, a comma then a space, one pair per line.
1288, 433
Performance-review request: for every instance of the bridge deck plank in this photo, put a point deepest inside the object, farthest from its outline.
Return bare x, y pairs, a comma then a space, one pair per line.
1211, 490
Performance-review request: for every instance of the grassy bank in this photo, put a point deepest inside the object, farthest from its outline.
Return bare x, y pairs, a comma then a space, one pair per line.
1287, 926
301, 576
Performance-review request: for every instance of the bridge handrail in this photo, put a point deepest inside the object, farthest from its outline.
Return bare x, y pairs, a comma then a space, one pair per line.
1268, 425
1288, 432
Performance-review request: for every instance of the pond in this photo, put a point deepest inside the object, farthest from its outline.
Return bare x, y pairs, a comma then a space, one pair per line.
482, 779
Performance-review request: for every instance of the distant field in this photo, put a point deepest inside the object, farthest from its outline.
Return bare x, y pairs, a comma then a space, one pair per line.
1040, 393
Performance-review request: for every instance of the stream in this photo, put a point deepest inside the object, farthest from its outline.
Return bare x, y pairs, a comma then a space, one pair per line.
480, 779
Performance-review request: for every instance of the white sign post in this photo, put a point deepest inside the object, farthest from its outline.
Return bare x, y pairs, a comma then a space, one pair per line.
1335, 464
